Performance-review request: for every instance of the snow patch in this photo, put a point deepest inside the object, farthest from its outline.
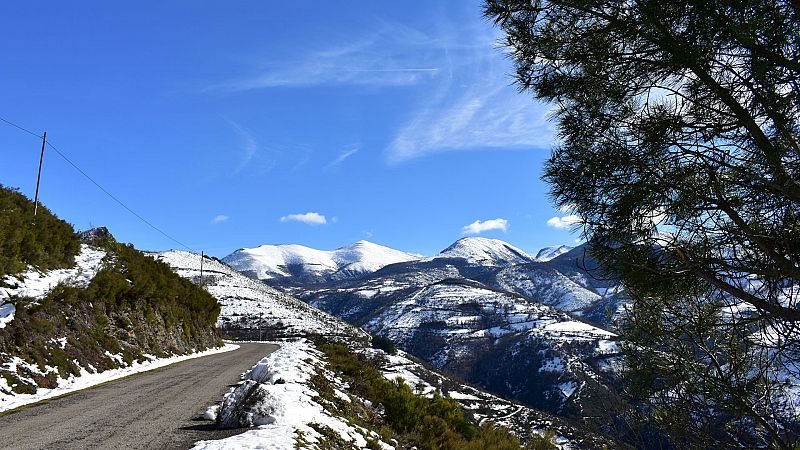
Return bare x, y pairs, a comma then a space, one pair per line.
287, 406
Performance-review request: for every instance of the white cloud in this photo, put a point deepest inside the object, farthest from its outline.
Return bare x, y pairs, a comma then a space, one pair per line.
392, 55
310, 218
248, 145
343, 156
564, 222
568, 208
478, 226
219, 218
475, 107
483, 117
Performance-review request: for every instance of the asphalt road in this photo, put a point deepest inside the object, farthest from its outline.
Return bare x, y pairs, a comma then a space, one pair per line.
160, 409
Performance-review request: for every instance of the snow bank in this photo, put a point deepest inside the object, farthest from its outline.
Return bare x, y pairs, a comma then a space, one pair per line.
87, 379
277, 398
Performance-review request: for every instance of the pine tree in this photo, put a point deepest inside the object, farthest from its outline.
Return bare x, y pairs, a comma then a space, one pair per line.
679, 149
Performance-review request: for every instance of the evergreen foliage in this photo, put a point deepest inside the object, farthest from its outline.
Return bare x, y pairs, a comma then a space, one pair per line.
133, 306
436, 423
679, 150
384, 343
45, 243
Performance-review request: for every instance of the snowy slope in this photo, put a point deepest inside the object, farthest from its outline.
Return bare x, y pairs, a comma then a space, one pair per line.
486, 252
280, 261
35, 284
247, 303
251, 303
289, 409
548, 253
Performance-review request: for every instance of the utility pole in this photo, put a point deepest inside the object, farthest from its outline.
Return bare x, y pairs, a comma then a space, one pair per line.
39, 177
202, 256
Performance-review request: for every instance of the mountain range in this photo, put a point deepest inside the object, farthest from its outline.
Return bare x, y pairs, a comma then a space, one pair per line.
254, 310
532, 328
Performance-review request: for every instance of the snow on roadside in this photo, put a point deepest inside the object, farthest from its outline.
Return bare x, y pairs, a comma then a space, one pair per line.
88, 379
287, 405
35, 284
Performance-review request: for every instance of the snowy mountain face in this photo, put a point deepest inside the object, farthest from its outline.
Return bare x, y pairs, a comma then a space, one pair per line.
499, 340
489, 313
485, 252
300, 264
548, 253
254, 310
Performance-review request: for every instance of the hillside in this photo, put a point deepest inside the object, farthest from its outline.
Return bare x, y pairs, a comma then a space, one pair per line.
487, 312
252, 310
104, 307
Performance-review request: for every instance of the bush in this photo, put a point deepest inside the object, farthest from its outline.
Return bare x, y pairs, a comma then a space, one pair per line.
45, 243
427, 423
385, 344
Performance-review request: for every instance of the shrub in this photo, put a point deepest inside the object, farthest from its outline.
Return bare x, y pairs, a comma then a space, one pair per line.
385, 344
427, 423
45, 243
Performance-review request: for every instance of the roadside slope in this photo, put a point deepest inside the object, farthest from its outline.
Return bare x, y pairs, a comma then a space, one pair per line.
157, 409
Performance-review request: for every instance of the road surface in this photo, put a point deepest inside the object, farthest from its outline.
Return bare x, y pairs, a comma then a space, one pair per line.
160, 409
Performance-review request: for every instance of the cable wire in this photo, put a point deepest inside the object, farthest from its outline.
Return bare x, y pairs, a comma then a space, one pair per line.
99, 186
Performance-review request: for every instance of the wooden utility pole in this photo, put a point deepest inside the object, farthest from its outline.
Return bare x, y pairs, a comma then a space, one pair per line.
39, 177
202, 257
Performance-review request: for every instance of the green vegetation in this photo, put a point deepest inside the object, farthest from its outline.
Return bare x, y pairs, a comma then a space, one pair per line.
385, 344
45, 243
409, 418
134, 305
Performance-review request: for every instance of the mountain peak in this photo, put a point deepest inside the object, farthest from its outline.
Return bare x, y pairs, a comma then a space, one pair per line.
548, 253
486, 251
279, 261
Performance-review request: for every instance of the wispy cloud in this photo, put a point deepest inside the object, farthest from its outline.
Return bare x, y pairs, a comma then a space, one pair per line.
310, 218
564, 222
248, 145
219, 218
492, 117
478, 226
343, 155
475, 107
380, 57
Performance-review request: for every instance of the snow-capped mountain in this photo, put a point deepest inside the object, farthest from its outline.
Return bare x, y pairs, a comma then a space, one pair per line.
251, 309
300, 264
482, 309
485, 252
496, 338
491, 314
548, 253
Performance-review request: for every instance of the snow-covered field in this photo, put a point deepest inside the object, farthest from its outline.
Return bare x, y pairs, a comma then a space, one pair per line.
88, 377
35, 284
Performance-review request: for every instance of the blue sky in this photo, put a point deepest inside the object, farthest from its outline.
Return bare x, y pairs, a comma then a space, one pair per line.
230, 125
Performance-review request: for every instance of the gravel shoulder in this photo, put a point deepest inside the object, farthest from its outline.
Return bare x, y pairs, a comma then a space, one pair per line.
160, 409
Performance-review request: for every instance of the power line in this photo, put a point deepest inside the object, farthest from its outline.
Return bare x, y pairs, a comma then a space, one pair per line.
105, 191
21, 128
